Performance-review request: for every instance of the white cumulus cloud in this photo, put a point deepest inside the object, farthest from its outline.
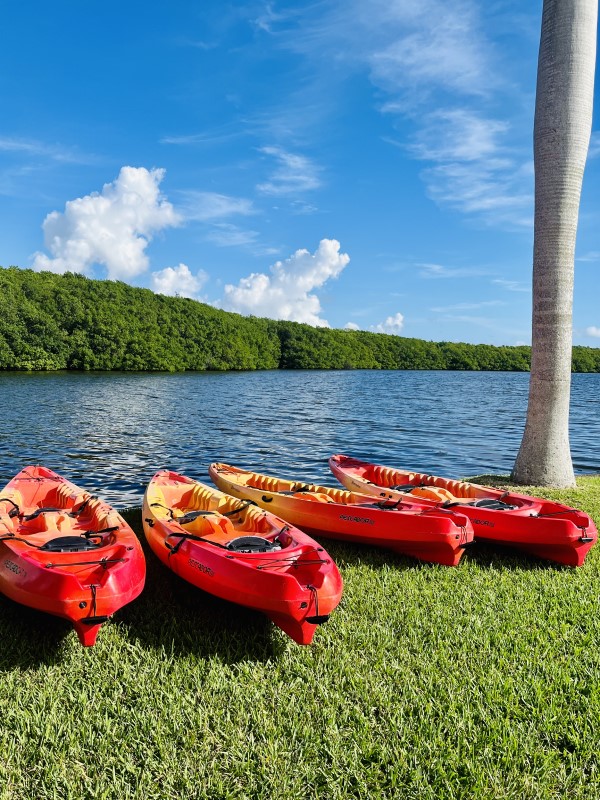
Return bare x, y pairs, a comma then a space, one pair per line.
351, 326
593, 331
391, 325
288, 292
178, 281
111, 228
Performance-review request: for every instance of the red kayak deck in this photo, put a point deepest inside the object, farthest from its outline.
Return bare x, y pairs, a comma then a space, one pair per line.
235, 551
543, 528
409, 527
66, 552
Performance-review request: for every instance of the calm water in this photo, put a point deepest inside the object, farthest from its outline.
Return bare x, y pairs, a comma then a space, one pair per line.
109, 432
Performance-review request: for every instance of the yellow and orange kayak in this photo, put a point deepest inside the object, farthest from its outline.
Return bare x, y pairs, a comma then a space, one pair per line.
237, 552
64, 551
543, 528
409, 527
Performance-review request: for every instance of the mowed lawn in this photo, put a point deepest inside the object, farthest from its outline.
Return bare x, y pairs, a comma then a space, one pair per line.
480, 681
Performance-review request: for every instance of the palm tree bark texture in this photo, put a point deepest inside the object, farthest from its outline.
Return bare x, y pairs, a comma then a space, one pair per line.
562, 128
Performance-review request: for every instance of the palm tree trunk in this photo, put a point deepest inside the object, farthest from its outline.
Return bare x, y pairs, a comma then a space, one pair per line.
563, 122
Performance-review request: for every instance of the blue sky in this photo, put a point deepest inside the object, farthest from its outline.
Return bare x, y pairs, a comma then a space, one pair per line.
351, 163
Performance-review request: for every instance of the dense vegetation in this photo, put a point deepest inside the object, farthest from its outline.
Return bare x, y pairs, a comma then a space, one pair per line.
51, 322
478, 682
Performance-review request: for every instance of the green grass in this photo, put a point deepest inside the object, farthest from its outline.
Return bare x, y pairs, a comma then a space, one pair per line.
481, 681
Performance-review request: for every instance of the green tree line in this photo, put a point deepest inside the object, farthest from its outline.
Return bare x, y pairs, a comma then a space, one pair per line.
54, 322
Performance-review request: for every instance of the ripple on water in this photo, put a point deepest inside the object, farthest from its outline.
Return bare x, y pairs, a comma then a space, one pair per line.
110, 432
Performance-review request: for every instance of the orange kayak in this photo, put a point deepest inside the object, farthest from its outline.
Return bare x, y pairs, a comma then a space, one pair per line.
409, 527
66, 552
242, 554
542, 528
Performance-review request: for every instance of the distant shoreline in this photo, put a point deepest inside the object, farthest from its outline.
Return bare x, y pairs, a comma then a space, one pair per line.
51, 322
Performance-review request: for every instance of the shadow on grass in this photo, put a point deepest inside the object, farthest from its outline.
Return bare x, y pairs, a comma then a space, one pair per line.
482, 554
30, 638
174, 615
171, 613
495, 556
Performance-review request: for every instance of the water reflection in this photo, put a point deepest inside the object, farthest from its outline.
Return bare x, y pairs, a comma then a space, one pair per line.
110, 432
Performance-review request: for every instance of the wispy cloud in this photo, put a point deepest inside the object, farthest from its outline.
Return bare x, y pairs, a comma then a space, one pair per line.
459, 134
439, 271
593, 331
512, 286
38, 149
209, 206
215, 211
226, 234
409, 46
467, 306
472, 169
428, 45
481, 322
592, 256
268, 20
293, 174
210, 136
436, 54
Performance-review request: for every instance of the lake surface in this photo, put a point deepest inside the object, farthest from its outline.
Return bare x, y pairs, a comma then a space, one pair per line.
109, 432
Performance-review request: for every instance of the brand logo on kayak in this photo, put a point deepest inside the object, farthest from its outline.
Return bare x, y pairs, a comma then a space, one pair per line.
202, 567
482, 522
366, 520
14, 568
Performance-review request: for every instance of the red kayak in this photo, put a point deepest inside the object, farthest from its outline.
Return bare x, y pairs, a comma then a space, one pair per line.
66, 552
235, 551
542, 528
408, 527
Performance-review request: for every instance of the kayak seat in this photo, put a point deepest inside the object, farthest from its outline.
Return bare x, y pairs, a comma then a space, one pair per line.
208, 525
13, 502
492, 504
316, 497
62, 496
200, 498
69, 544
43, 520
252, 544
385, 476
263, 482
433, 493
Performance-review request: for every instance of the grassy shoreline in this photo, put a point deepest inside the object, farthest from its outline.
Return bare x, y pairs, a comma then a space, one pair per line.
480, 681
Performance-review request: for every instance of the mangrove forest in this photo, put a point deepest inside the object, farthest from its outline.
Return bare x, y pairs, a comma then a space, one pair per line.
57, 322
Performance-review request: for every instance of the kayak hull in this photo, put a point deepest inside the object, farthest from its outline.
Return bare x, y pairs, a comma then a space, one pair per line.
65, 552
412, 528
290, 578
543, 528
